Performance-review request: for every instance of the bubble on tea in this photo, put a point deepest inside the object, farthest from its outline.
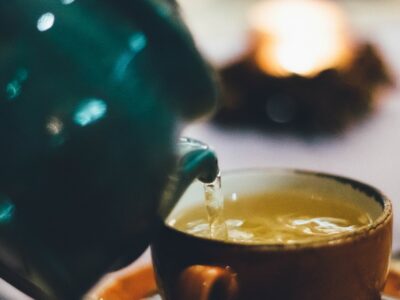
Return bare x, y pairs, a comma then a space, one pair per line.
214, 200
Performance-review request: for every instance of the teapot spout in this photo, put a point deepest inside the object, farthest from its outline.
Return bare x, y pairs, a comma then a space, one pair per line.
195, 161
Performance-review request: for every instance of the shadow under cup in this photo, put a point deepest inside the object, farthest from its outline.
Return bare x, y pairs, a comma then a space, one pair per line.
349, 266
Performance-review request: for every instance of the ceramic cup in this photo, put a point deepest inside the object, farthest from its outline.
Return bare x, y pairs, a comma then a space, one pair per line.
347, 267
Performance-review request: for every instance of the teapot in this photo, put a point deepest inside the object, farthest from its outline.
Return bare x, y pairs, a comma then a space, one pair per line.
93, 97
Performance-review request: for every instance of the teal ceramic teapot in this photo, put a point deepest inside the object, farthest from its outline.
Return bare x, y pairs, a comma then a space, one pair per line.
93, 95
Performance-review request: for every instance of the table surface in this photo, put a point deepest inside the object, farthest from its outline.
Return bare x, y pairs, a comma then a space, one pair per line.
369, 152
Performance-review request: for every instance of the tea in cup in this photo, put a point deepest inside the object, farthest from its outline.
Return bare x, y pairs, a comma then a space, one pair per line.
291, 235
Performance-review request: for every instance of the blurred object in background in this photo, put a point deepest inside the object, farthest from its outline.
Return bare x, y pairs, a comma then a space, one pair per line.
328, 102
297, 67
368, 152
304, 73
301, 37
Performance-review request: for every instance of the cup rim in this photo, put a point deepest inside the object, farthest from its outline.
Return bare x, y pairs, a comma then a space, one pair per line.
358, 234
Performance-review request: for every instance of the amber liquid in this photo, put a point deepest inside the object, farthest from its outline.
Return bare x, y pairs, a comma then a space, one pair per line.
284, 217
214, 205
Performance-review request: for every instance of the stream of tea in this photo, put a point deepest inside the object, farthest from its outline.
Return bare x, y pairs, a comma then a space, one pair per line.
214, 201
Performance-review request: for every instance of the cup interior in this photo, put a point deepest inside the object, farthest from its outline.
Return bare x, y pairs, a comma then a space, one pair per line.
245, 183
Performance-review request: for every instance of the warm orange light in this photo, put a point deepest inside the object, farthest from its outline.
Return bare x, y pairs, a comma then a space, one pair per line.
300, 36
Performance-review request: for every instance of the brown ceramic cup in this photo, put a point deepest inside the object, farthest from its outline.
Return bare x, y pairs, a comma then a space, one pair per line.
352, 266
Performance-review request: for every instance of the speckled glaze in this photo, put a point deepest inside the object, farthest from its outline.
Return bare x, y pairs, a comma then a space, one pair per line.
350, 267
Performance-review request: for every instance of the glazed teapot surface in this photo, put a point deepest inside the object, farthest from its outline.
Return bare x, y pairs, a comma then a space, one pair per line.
93, 95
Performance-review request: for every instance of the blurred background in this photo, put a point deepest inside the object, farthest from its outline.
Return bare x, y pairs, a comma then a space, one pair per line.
365, 144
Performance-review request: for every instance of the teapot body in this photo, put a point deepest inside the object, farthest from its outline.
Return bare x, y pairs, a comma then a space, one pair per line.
94, 94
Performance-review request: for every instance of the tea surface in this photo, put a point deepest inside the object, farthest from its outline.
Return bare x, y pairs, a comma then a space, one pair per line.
284, 217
